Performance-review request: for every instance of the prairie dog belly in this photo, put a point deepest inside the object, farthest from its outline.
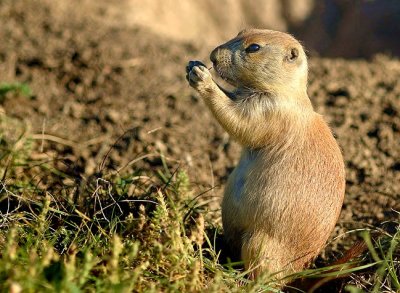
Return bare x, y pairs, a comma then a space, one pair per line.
239, 177
235, 207
283, 195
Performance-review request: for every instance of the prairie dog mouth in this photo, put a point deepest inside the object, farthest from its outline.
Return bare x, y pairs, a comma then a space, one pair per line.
222, 75
222, 80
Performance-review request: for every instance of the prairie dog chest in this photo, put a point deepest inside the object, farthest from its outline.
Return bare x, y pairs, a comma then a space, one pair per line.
241, 174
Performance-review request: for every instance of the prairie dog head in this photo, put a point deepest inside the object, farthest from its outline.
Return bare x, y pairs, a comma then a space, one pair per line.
262, 61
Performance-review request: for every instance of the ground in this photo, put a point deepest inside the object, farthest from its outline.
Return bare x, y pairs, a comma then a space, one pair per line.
97, 83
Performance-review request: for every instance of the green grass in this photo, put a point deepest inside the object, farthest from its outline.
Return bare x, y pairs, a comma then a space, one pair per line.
140, 232
9, 87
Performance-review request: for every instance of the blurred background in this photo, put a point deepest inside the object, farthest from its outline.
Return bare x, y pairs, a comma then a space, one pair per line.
336, 28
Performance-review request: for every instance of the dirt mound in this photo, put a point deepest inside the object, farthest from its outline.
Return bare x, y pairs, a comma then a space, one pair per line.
201, 21
98, 83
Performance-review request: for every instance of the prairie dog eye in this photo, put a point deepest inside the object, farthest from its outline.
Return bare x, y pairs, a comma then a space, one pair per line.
252, 48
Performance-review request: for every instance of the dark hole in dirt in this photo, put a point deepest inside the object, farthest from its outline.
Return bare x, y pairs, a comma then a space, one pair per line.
213, 156
73, 167
339, 120
373, 132
396, 166
171, 101
364, 117
361, 175
390, 111
338, 101
117, 69
387, 86
154, 162
340, 92
90, 118
34, 62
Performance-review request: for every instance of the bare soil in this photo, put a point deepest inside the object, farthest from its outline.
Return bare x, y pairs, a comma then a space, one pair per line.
99, 83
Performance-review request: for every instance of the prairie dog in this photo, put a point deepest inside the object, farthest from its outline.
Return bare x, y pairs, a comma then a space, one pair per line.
283, 199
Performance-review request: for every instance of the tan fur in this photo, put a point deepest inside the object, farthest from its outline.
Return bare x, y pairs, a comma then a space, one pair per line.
283, 199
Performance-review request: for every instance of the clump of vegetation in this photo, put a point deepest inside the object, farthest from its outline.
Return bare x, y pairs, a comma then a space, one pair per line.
121, 233
7, 87
131, 232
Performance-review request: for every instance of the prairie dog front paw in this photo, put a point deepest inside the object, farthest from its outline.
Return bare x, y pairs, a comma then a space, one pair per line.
198, 75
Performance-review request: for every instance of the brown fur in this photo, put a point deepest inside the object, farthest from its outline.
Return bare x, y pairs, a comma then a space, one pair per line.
283, 199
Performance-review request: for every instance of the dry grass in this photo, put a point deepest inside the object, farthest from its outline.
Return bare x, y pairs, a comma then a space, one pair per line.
131, 232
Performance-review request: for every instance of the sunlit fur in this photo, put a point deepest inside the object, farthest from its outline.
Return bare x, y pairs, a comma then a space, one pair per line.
282, 201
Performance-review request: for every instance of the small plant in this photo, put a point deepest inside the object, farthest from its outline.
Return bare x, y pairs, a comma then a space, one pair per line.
21, 88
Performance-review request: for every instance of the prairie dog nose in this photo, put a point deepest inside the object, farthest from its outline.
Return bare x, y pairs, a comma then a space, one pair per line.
213, 56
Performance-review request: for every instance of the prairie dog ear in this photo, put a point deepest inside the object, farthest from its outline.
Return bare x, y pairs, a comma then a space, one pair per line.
292, 54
